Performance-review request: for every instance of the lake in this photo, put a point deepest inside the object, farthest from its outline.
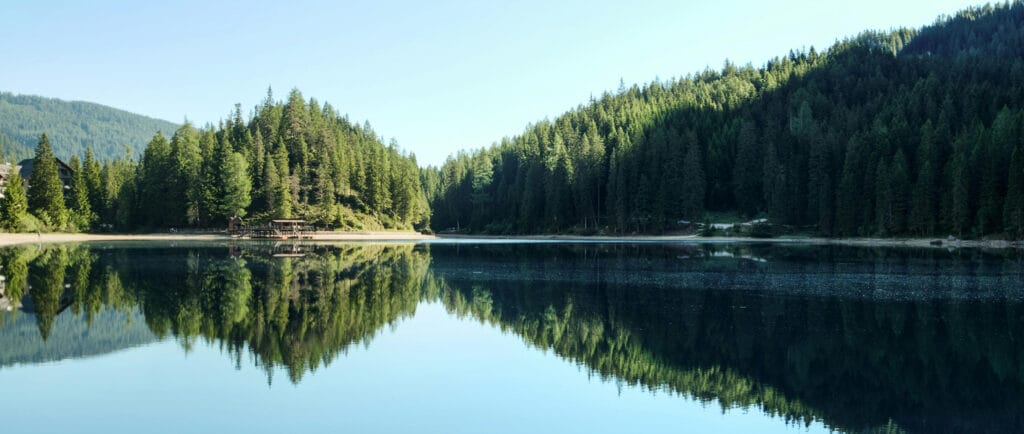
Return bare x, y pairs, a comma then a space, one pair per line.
517, 337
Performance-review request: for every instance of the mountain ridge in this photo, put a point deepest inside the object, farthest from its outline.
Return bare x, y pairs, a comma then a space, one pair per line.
73, 126
904, 132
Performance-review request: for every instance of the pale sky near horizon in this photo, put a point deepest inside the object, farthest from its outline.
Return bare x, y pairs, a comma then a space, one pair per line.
437, 76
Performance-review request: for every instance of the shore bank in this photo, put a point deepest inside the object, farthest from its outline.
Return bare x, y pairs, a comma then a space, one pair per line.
7, 239
865, 242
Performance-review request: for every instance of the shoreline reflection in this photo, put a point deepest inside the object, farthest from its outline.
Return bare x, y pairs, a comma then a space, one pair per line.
805, 334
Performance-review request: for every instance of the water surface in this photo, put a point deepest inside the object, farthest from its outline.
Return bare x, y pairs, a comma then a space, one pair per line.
509, 337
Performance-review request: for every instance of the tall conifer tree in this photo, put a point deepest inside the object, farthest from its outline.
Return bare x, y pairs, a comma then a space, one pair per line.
45, 191
13, 204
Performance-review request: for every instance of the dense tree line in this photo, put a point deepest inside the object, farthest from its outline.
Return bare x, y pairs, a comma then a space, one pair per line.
73, 126
292, 159
909, 132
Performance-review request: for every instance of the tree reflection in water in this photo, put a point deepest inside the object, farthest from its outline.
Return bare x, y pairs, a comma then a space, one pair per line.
857, 338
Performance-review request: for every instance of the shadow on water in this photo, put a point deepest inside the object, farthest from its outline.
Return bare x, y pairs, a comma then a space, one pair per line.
860, 339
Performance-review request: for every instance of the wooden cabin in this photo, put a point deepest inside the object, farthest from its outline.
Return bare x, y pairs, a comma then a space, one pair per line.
64, 172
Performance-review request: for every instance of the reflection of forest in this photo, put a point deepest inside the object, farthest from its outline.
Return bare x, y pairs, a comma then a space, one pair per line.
923, 363
297, 313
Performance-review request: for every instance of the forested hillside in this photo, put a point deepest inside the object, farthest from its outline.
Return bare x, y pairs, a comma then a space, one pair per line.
292, 159
72, 127
908, 132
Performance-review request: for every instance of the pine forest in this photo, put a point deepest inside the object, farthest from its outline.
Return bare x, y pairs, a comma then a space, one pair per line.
901, 133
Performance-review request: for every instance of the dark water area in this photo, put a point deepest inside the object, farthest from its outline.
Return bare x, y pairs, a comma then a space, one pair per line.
510, 337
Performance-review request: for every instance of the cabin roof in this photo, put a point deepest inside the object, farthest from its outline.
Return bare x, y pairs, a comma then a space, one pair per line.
28, 164
288, 221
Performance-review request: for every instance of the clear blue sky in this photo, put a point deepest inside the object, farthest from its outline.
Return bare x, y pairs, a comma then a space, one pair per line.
438, 76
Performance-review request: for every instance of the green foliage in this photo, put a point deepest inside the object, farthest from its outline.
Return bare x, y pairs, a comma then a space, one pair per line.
693, 185
761, 230
763, 339
296, 314
118, 194
235, 190
46, 191
293, 159
155, 180
707, 229
925, 198
1013, 213
92, 172
276, 199
14, 204
73, 126
81, 213
46, 281
854, 363
908, 132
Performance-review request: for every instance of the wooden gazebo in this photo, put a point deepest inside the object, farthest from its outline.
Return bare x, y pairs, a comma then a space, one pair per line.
279, 229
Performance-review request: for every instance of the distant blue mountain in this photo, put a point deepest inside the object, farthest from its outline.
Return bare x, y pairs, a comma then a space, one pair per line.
72, 126
71, 337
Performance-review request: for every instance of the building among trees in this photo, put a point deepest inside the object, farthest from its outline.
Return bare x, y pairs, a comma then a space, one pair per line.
6, 169
64, 172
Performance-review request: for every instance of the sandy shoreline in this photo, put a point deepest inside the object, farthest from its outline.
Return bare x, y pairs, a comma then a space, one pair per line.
7, 239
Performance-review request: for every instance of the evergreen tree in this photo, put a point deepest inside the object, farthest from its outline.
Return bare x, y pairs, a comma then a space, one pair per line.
283, 198
847, 196
271, 186
747, 171
925, 198
293, 125
156, 184
377, 195
884, 208
480, 198
693, 185
45, 191
1013, 211
14, 203
899, 192
82, 216
201, 193
532, 210
819, 187
183, 171
91, 169
236, 188
258, 159
993, 162
774, 179
958, 210
768, 142
559, 192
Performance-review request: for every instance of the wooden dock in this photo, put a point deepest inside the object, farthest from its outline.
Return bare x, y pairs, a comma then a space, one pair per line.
276, 230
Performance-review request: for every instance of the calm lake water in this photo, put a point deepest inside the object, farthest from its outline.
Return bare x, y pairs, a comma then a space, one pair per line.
509, 337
